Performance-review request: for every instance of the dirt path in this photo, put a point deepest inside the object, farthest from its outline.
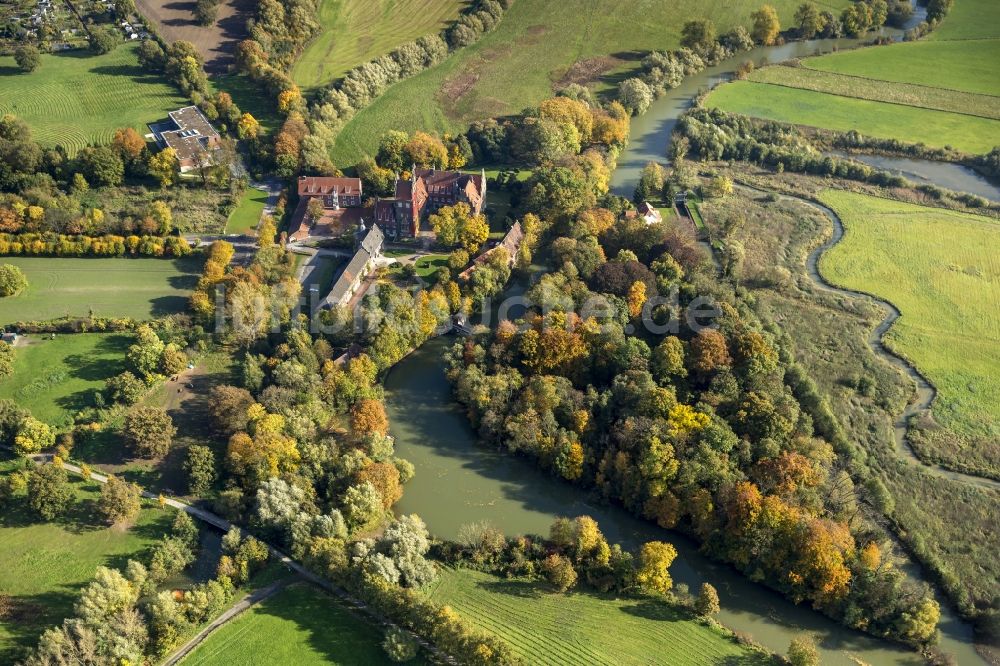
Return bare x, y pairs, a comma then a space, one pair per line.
925, 393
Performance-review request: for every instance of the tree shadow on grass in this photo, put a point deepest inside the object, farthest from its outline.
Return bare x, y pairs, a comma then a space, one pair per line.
167, 305
31, 614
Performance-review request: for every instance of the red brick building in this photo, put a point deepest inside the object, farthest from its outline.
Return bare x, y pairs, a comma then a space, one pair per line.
426, 191
342, 211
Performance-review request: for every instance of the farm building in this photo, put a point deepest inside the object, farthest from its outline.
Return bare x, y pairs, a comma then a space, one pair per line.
191, 136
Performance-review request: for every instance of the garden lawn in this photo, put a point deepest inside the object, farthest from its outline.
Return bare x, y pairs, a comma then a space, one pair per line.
538, 47
582, 628
879, 119
56, 378
76, 98
46, 564
941, 270
356, 31
300, 625
958, 65
246, 217
141, 288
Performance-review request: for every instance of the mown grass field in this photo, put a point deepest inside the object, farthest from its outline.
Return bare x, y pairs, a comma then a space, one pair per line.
76, 98
581, 628
46, 564
55, 378
891, 121
941, 270
139, 288
246, 217
957, 65
862, 87
539, 46
970, 19
300, 625
356, 31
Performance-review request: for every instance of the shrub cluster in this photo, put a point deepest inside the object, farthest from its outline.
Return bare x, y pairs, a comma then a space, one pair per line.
49, 244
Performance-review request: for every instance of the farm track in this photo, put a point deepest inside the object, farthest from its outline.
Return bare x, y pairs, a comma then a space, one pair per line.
925, 391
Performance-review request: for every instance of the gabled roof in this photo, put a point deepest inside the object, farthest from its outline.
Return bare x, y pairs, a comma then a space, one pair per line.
440, 182
372, 241
324, 185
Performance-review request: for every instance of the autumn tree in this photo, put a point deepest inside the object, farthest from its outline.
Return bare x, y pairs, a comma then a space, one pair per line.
385, 478
32, 435
809, 20
129, 145
49, 492
457, 226
707, 602
709, 351
698, 34
425, 150
655, 559
12, 280
200, 469
164, 167
802, 651
559, 571
228, 406
148, 431
119, 501
368, 416
766, 25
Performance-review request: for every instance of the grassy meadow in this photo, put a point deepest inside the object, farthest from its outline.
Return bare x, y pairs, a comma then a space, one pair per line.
300, 625
539, 46
939, 268
970, 19
971, 134
45, 564
246, 217
356, 31
140, 288
581, 628
56, 378
76, 98
959, 65
861, 87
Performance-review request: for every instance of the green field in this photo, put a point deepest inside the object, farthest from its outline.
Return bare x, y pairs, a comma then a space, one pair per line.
970, 19
879, 119
139, 288
356, 31
246, 217
862, 87
941, 270
581, 628
300, 625
56, 378
533, 52
962, 65
46, 564
75, 98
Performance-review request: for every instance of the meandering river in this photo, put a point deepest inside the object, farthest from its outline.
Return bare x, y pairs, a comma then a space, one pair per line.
459, 481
